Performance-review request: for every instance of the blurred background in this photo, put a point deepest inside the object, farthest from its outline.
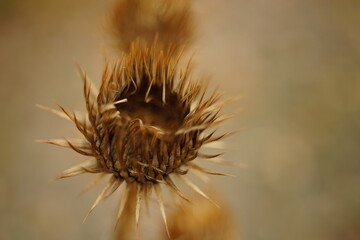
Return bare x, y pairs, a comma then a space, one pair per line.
295, 64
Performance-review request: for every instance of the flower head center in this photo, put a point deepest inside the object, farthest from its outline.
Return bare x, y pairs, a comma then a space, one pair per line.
152, 110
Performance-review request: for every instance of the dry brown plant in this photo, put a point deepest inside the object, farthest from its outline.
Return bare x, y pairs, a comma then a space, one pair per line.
201, 220
146, 124
171, 21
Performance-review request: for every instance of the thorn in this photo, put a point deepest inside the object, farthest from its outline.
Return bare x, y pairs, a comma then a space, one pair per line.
98, 178
124, 199
162, 209
53, 111
175, 189
198, 190
107, 191
198, 168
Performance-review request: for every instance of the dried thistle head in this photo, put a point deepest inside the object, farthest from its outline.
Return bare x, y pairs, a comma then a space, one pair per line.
171, 21
145, 125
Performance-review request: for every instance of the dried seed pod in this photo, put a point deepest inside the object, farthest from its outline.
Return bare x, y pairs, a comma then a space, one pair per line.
171, 20
146, 123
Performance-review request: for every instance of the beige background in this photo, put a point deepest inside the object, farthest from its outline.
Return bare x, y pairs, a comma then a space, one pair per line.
296, 64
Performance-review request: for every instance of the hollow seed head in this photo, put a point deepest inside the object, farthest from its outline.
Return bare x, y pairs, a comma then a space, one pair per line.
145, 124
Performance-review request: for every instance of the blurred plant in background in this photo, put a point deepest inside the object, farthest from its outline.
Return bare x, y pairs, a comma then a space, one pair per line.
172, 21
202, 220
